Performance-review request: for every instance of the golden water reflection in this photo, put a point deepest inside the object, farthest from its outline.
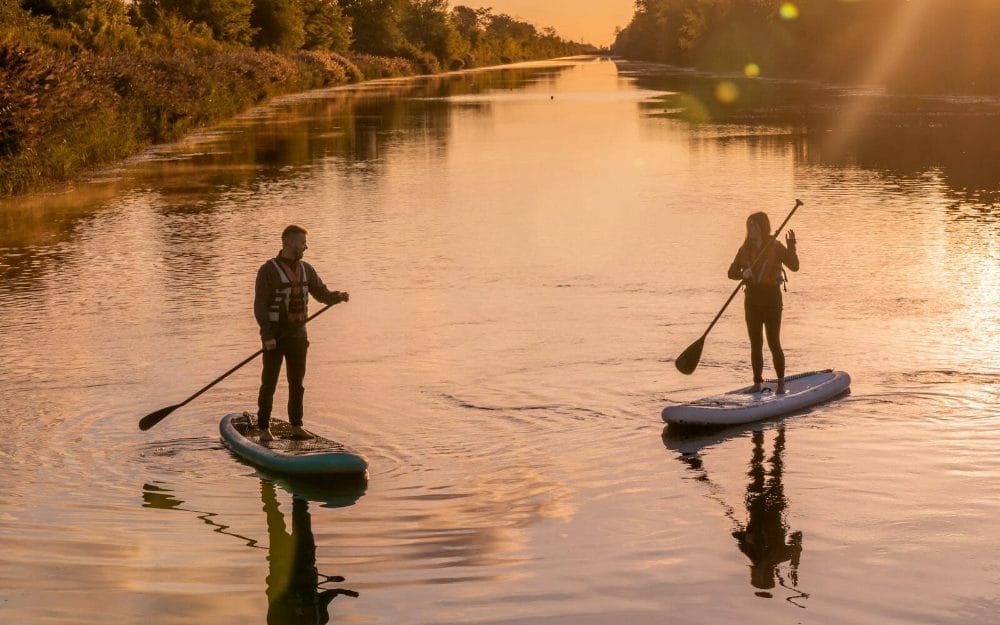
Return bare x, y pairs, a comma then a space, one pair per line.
354, 133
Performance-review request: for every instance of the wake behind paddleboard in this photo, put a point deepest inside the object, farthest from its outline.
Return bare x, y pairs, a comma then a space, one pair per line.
742, 406
303, 457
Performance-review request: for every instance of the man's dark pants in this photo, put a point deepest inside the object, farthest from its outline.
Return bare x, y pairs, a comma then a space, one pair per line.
293, 351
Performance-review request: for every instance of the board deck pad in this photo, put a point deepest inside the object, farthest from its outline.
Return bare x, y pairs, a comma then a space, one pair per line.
283, 438
742, 406
286, 453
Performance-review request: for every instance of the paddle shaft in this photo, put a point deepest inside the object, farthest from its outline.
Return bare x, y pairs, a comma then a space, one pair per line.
155, 417
760, 255
220, 378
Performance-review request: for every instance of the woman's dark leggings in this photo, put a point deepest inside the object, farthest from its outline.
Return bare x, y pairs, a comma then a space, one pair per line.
759, 322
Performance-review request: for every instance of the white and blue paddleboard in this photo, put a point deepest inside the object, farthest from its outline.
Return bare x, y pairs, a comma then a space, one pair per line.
286, 454
742, 406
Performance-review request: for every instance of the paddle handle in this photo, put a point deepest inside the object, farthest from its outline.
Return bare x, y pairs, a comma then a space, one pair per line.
798, 203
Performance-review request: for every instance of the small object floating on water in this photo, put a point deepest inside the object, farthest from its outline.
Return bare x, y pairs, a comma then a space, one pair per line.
286, 454
743, 406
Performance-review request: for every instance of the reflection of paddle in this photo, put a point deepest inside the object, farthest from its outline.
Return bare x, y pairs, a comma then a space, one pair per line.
155, 417
687, 362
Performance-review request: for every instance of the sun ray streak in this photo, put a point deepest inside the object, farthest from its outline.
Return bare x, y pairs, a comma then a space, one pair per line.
890, 54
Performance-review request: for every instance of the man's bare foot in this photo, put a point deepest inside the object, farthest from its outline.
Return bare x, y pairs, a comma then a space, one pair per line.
266, 436
298, 432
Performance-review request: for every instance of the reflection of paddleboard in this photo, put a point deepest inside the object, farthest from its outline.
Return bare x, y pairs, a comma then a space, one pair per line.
742, 406
692, 440
285, 454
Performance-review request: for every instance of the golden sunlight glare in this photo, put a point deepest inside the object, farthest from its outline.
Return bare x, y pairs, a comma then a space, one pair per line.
789, 11
727, 92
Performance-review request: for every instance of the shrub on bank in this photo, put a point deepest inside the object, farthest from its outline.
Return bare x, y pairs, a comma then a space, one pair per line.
372, 66
56, 117
325, 71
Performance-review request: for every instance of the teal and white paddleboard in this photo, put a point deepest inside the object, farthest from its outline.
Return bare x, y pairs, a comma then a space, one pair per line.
742, 406
315, 456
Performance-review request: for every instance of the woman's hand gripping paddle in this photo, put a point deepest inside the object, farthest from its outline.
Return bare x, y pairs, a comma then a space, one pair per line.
687, 362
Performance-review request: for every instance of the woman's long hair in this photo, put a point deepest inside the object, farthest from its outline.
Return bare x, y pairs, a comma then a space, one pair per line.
763, 226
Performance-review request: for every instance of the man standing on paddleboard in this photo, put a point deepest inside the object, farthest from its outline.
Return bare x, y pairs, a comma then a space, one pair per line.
280, 305
759, 264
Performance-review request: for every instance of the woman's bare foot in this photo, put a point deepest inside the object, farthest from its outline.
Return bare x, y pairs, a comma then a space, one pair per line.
781, 388
755, 388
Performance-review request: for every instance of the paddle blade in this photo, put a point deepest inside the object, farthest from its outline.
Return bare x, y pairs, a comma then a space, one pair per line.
155, 417
687, 362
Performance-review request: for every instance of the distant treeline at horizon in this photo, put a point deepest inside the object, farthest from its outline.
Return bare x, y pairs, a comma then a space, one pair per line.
88, 82
915, 46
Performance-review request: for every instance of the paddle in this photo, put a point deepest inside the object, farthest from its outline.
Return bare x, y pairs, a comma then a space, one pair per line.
155, 417
687, 362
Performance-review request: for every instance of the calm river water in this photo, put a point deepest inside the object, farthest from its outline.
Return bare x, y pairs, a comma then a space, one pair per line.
527, 250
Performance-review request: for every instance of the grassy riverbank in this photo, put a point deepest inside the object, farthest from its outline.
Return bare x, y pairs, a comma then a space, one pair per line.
89, 86
77, 112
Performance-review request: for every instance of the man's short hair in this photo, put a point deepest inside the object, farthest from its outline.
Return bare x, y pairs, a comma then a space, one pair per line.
291, 231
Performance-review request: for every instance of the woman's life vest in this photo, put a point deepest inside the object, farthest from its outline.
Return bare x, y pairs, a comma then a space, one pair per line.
290, 302
768, 270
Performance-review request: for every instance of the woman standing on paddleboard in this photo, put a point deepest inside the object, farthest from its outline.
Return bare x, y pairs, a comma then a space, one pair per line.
759, 264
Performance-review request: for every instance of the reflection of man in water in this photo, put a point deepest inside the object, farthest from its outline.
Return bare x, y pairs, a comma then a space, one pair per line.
294, 593
763, 537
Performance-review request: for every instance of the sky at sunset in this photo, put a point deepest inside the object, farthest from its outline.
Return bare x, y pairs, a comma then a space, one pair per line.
591, 21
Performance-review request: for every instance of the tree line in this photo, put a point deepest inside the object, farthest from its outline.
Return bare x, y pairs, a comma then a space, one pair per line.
917, 46
86, 82
424, 31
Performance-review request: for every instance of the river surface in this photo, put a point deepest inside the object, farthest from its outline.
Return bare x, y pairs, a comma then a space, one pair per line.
527, 250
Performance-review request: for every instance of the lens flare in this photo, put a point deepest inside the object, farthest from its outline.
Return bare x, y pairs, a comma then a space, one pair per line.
694, 110
751, 70
788, 11
727, 92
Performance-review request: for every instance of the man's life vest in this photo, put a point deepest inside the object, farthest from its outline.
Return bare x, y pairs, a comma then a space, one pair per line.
290, 302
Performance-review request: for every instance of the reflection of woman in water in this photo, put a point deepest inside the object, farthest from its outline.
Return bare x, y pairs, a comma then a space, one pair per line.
763, 539
294, 590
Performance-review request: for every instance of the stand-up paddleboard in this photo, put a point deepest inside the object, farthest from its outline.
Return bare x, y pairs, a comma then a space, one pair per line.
315, 456
742, 406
